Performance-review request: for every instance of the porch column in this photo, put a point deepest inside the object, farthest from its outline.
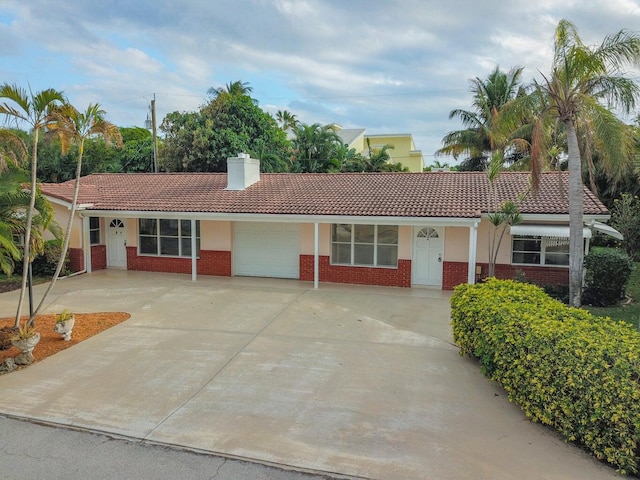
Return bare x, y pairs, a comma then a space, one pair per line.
316, 256
194, 253
86, 243
473, 250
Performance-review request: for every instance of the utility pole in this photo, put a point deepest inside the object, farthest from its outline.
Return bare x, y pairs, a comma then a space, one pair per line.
154, 132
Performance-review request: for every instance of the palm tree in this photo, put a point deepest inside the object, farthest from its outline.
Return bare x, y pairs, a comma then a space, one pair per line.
481, 137
585, 82
75, 127
34, 110
231, 89
286, 119
314, 148
378, 157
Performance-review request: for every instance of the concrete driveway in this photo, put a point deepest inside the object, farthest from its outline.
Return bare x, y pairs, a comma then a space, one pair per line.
359, 381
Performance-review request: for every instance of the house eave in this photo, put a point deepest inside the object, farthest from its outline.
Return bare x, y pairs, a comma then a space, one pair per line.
279, 218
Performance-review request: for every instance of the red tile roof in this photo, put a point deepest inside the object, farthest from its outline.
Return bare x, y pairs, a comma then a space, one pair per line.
434, 194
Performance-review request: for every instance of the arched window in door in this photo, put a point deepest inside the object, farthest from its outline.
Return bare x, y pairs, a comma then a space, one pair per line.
116, 223
428, 233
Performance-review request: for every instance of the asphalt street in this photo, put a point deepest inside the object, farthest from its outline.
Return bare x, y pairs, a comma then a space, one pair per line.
29, 451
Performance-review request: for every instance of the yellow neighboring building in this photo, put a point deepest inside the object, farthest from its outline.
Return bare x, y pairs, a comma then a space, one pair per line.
404, 149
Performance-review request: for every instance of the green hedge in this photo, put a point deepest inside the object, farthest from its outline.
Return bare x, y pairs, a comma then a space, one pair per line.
565, 367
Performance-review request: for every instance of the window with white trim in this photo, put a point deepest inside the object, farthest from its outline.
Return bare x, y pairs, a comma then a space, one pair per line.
94, 231
553, 251
166, 237
364, 245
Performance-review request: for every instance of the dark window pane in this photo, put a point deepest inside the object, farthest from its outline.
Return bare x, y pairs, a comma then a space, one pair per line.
364, 233
387, 255
148, 226
341, 233
169, 246
94, 237
363, 254
526, 244
528, 258
388, 234
341, 253
149, 245
169, 228
94, 223
556, 259
185, 228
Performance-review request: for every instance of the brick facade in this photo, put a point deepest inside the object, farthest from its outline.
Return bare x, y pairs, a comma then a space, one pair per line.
455, 273
76, 259
389, 277
210, 263
98, 257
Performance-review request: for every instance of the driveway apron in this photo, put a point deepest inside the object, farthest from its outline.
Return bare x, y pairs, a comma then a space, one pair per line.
360, 381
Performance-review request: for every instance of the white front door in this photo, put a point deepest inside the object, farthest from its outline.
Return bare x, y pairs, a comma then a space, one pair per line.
116, 244
428, 252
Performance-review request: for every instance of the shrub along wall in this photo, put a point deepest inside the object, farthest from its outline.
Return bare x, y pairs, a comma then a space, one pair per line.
565, 367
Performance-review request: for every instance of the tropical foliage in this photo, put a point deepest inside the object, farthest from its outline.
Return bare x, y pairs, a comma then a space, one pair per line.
564, 367
34, 111
483, 133
228, 124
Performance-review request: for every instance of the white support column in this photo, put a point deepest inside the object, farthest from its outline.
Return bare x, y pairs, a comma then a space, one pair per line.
316, 256
473, 250
86, 243
194, 253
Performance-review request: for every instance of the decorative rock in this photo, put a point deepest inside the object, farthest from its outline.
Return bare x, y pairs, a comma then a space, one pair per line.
9, 365
25, 358
26, 345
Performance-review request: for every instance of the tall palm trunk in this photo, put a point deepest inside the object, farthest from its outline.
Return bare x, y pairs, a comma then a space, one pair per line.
67, 234
576, 224
28, 225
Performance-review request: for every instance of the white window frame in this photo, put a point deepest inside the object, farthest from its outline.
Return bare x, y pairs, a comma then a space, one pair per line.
353, 243
545, 243
180, 237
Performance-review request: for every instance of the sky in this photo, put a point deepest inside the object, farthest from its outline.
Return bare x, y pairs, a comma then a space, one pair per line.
390, 66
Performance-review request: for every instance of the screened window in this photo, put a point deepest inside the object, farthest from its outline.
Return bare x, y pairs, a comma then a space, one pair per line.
166, 237
94, 230
540, 251
364, 245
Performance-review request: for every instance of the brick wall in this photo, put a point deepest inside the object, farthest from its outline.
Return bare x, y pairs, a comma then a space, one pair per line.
98, 257
210, 263
455, 273
76, 259
390, 277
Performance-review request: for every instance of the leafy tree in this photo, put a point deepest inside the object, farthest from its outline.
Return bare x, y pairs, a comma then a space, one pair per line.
34, 110
202, 141
481, 135
625, 217
581, 79
76, 127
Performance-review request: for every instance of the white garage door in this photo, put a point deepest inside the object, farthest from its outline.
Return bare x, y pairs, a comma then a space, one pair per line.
266, 250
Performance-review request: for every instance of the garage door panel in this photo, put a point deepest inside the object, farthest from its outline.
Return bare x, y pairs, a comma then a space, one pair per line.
267, 250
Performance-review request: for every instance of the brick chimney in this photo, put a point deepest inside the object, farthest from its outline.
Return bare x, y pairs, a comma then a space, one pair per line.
242, 171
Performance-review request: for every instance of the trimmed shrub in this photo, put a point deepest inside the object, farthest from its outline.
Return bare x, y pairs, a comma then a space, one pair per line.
607, 272
563, 366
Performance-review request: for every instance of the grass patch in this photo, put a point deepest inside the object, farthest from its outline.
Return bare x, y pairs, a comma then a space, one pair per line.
15, 281
624, 313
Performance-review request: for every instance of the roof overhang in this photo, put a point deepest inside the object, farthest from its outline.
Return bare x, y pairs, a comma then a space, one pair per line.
271, 218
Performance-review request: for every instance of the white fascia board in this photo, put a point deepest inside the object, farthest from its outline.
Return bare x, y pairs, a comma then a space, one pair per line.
248, 217
545, 217
58, 201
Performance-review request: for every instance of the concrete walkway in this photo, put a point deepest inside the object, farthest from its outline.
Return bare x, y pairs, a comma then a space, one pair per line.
360, 381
